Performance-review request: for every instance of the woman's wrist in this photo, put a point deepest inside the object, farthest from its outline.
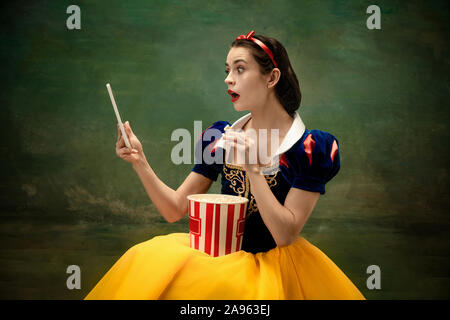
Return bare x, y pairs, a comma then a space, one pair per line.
253, 170
141, 164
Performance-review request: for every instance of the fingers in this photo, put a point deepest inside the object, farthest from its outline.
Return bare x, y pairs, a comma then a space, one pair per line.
121, 150
236, 153
242, 146
119, 133
235, 136
128, 128
237, 146
129, 134
120, 142
233, 140
124, 152
120, 139
240, 138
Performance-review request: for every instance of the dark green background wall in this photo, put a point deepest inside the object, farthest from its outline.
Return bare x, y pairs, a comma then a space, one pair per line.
66, 198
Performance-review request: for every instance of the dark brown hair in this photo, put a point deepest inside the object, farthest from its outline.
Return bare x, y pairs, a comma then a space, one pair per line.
287, 90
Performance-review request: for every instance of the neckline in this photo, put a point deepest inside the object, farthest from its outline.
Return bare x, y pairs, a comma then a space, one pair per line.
294, 133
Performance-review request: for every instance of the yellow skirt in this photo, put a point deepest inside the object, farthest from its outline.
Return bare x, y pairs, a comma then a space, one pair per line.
165, 267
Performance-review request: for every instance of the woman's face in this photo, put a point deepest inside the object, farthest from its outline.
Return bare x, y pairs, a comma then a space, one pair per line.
245, 79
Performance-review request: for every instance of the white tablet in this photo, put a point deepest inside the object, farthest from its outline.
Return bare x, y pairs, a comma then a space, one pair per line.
119, 120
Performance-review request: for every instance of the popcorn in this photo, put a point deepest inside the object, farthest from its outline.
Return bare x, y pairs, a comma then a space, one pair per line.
216, 223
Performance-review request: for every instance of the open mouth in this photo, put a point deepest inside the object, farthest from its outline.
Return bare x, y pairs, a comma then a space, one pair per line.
234, 95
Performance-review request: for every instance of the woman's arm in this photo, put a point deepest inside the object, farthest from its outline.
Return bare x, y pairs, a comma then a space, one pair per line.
171, 204
284, 222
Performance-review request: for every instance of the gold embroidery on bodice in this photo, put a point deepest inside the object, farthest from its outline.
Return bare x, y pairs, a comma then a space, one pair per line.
240, 183
238, 179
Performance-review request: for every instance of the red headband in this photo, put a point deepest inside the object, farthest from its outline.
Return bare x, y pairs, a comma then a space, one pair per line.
249, 36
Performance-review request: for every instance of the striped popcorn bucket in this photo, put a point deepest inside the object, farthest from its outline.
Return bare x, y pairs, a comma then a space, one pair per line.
216, 223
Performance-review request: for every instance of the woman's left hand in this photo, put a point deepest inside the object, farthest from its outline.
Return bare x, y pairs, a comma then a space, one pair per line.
244, 148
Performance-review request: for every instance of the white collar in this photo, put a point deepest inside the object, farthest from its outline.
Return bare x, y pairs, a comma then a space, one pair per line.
293, 135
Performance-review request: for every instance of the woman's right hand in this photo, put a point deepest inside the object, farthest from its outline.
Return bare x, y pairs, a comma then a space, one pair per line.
134, 155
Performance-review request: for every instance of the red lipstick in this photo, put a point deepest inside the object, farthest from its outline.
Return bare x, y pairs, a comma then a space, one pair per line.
234, 95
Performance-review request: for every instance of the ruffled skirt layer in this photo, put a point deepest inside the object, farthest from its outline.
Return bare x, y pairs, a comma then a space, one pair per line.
165, 267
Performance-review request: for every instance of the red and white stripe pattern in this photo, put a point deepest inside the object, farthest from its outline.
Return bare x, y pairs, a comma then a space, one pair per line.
216, 229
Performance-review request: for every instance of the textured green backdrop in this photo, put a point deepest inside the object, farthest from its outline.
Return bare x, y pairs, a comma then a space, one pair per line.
67, 199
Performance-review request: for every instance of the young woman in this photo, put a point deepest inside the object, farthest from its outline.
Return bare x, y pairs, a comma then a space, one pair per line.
275, 262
